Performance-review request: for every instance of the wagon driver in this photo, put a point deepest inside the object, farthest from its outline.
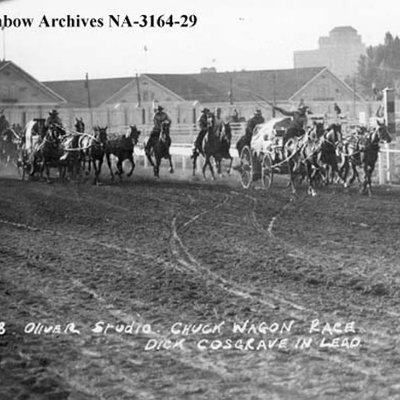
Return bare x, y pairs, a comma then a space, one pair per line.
255, 120
54, 120
299, 121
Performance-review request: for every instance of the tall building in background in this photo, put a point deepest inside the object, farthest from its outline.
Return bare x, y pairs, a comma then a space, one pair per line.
340, 52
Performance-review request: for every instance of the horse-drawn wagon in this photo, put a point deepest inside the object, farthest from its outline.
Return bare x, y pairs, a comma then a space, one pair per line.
264, 156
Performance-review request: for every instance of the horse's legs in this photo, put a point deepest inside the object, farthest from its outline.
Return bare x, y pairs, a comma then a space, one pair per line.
119, 168
218, 163
195, 155
99, 168
291, 165
208, 162
310, 175
130, 158
147, 151
230, 165
46, 165
109, 165
171, 167
157, 166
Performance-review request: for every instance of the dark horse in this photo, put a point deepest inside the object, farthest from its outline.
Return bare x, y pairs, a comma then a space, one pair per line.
161, 150
48, 151
79, 125
216, 144
226, 138
122, 148
93, 150
369, 153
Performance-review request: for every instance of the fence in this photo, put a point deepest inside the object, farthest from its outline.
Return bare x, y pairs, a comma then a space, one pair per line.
389, 165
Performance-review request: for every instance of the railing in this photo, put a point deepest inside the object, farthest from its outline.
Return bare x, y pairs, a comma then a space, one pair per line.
388, 165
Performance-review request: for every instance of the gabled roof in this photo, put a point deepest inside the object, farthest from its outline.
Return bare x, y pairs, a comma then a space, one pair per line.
245, 86
76, 93
56, 96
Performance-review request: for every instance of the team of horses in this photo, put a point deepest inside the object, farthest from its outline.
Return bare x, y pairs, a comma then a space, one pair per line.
321, 155
72, 152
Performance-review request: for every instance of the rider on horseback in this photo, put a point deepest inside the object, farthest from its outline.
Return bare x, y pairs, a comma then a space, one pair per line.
160, 117
203, 124
4, 124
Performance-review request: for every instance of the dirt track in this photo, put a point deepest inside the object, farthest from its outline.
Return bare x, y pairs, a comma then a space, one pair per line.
171, 251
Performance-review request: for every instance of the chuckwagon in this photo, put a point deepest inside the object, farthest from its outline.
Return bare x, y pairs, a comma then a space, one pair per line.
264, 156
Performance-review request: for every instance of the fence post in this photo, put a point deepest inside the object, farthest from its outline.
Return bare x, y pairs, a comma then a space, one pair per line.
381, 172
387, 163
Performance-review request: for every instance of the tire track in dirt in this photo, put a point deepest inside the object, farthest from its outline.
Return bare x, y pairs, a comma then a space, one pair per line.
183, 257
387, 337
202, 363
183, 254
189, 358
316, 259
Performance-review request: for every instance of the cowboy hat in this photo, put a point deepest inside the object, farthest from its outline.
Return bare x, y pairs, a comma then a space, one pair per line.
205, 110
54, 111
304, 108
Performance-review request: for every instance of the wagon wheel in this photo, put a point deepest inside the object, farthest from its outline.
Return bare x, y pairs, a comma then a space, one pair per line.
246, 167
266, 171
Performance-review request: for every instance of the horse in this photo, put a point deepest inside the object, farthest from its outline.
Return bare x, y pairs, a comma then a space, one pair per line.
327, 156
301, 154
226, 138
369, 152
214, 145
122, 148
47, 152
351, 157
79, 125
9, 141
70, 160
161, 150
93, 150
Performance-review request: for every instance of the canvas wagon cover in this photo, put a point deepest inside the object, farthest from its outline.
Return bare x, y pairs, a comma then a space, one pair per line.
265, 134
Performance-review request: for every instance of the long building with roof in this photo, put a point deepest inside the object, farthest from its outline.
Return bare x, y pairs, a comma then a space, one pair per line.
131, 100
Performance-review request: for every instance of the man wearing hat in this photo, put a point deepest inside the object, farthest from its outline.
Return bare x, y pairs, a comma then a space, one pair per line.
245, 140
197, 147
54, 120
160, 117
299, 116
299, 122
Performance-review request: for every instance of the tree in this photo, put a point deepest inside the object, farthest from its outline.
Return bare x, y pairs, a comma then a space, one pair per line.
380, 67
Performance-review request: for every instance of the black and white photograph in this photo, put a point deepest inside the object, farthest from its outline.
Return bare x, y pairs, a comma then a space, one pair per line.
199, 200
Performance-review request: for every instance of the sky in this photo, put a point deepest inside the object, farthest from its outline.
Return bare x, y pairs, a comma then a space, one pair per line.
229, 35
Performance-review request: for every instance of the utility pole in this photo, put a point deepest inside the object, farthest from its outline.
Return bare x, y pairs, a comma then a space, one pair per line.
354, 98
139, 97
4, 43
274, 93
89, 99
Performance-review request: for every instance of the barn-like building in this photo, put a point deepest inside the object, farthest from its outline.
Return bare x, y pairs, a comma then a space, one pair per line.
130, 100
